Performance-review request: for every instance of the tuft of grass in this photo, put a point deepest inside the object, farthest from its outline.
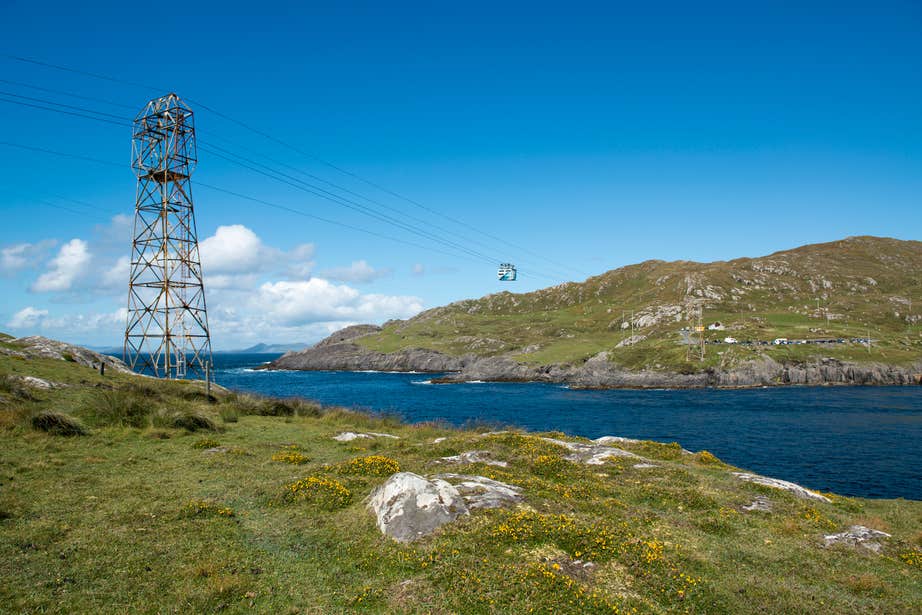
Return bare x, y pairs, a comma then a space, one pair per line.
58, 423
190, 419
229, 414
119, 408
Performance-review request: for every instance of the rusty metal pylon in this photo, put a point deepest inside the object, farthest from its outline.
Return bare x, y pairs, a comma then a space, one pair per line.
167, 330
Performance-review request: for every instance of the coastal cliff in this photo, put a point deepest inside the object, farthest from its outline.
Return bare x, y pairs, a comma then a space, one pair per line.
833, 313
341, 351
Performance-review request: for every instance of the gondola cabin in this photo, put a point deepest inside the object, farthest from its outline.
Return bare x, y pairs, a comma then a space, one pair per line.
506, 272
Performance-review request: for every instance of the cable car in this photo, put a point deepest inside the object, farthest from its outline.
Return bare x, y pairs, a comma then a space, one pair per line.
506, 272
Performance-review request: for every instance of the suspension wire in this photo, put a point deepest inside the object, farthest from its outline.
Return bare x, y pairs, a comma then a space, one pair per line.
71, 94
301, 185
241, 196
91, 117
64, 154
268, 172
348, 191
317, 191
327, 220
368, 181
61, 207
300, 151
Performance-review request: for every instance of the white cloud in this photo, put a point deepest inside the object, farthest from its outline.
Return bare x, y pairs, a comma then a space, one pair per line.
256, 292
300, 261
419, 269
27, 318
234, 249
117, 275
64, 268
359, 272
291, 303
19, 256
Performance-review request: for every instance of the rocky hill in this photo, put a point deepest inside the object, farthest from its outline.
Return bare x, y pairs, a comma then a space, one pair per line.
849, 302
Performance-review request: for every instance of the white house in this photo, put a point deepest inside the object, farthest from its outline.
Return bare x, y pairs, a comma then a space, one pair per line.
716, 326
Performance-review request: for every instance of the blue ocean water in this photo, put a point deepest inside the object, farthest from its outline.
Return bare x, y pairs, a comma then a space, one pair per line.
860, 441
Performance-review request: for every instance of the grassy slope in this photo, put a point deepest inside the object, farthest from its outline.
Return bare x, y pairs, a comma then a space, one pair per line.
862, 282
102, 523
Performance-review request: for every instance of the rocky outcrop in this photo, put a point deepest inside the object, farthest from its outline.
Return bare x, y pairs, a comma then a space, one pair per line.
597, 372
38, 347
775, 483
857, 536
759, 504
591, 454
408, 506
484, 457
349, 436
482, 492
348, 356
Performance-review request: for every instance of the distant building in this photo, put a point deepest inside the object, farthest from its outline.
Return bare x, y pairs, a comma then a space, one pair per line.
716, 326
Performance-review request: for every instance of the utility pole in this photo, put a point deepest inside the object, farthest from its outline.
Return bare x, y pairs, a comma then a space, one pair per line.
167, 329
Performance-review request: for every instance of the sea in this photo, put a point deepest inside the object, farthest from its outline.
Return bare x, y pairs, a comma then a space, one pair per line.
856, 441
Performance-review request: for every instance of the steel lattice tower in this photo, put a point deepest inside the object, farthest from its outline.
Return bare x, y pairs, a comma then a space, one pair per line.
167, 331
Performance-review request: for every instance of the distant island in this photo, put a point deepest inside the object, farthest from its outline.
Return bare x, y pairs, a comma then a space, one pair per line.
268, 348
832, 313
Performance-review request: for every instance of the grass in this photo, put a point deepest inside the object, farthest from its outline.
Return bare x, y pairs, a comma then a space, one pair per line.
143, 516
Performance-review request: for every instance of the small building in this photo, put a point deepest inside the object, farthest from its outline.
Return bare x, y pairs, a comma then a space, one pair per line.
716, 326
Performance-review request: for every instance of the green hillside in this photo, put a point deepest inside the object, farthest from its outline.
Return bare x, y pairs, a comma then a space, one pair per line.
125, 494
855, 288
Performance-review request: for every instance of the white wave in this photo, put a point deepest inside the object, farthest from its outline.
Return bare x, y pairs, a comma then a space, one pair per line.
420, 382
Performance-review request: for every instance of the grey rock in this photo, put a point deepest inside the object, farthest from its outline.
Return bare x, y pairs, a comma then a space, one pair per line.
349, 436
482, 492
38, 347
38, 383
408, 507
784, 485
760, 504
591, 454
473, 457
615, 440
645, 466
857, 536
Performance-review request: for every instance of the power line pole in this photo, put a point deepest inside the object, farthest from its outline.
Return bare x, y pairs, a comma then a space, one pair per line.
167, 330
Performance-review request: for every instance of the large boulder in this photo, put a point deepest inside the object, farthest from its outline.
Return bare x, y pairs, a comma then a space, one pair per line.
408, 506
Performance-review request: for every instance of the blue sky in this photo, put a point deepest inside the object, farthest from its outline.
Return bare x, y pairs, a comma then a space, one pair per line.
591, 134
